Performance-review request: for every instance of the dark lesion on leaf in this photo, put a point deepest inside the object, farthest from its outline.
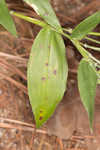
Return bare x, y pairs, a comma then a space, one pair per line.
46, 14
55, 72
41, 111
49, 46
43, 78
41, 46
41, 118
46, 64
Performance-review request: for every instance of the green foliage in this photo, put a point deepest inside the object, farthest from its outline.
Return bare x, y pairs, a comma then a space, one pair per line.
44, 9
5, 18
47, 74
86, 26
87, 81
47, 67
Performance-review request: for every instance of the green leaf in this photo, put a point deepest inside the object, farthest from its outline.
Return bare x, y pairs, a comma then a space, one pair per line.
44, 9
86, 26
47, 74
87, 81
5, 18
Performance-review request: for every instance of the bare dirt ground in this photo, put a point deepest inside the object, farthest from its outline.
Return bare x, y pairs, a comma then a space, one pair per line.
68, 128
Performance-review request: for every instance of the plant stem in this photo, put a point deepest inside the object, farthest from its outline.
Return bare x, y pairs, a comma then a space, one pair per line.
38, 22
77, 44
90, 39
29, 19
82, 51
94, 33
91, 47
96, 60
92, 57
67, 30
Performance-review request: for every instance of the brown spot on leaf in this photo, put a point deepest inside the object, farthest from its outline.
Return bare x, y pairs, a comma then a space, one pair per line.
46, 14
55, 72
46, 64
40, 118
43, 78
41, 111
49, 46
41, 46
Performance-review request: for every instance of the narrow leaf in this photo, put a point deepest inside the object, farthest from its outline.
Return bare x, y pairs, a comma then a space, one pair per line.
87, 81
5, 18
47, 74
86, 26
44, 9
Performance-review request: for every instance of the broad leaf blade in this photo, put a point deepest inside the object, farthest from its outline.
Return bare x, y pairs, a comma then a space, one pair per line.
47, 74
5, 18
44, 9
87, 81
86, 26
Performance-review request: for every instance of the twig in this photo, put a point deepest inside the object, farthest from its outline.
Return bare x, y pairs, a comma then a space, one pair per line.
17, 84
60, 143
23, 128
9, 56
10, 67
17, 122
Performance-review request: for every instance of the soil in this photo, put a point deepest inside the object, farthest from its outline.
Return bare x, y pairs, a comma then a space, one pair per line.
68, 128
